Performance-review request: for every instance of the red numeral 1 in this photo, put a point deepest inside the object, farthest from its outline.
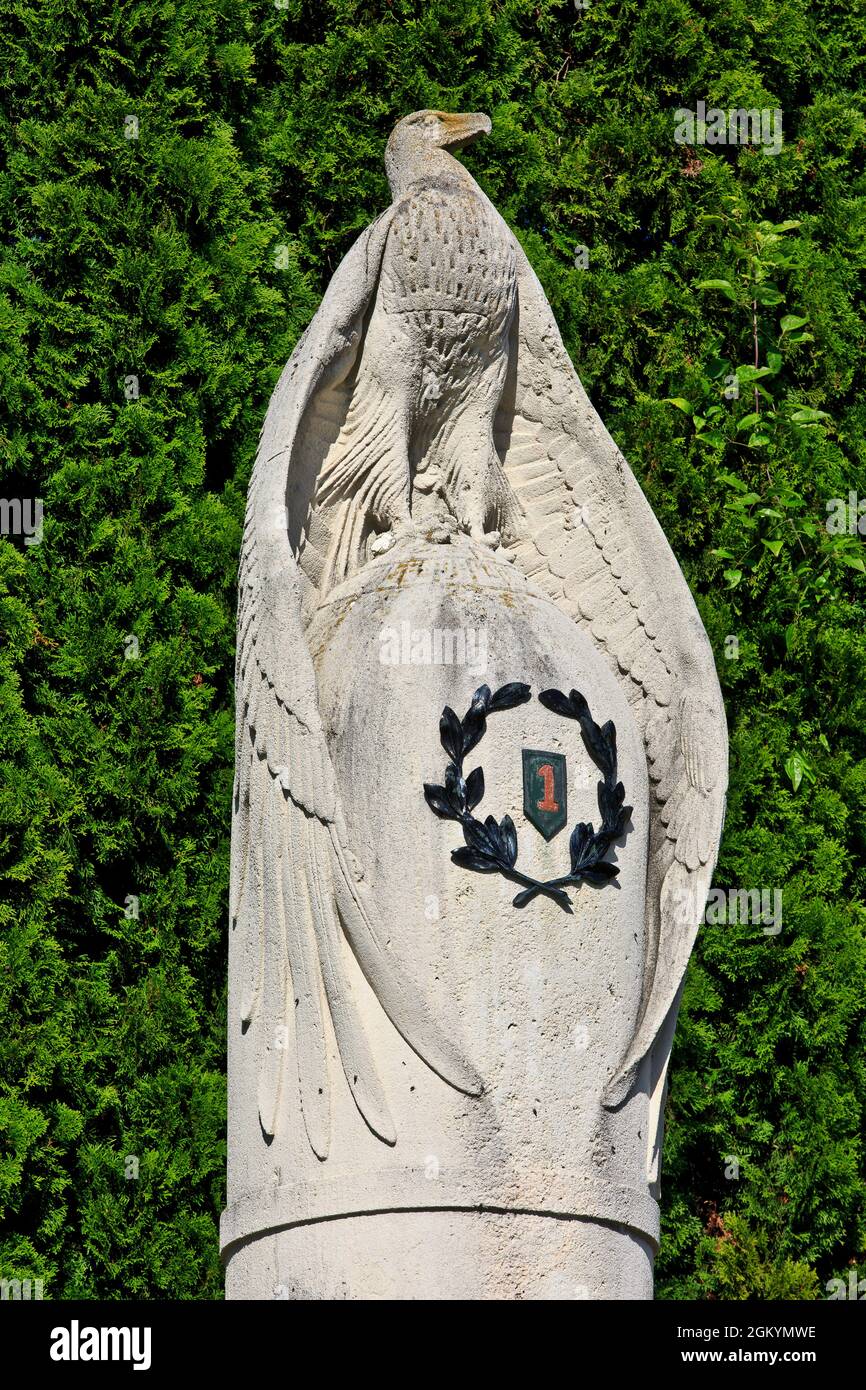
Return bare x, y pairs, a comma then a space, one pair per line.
547, 803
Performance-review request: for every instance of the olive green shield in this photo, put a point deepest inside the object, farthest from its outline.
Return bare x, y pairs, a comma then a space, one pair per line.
544, 791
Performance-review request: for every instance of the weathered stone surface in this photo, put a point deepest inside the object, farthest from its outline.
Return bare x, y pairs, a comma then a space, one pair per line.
435, 1093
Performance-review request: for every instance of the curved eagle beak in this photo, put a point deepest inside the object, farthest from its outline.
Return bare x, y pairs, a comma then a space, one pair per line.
461, 129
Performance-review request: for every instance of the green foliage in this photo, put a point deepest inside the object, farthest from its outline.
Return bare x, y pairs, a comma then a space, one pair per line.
191, 258
774, 423
741, 1264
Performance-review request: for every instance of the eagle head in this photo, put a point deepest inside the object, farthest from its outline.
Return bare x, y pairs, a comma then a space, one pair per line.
414, 139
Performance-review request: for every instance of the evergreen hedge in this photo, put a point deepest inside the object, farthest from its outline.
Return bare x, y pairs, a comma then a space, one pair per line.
151, 290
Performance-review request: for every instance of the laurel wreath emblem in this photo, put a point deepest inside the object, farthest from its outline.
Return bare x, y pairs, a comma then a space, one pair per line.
491, 845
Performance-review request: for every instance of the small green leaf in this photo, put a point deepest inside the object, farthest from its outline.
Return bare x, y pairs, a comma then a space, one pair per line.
790, 500
774, 361
795, 767
733, 577
792, 321
774, 546
809, 416
733, 482
747, 421
856, 562
767, 295
716, 367
724, 286
680, 403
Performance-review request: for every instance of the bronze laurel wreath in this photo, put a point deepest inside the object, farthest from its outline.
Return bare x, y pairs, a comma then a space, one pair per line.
491, 846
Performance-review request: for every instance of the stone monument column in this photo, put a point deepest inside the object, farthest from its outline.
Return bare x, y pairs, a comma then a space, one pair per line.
480, 778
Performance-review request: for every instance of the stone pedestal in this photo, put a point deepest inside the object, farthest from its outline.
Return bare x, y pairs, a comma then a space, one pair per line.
532, 1189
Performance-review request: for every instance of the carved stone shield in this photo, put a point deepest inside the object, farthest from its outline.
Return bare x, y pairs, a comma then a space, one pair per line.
545, 791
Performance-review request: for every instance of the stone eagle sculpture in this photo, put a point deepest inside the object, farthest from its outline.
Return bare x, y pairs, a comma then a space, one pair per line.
430, 412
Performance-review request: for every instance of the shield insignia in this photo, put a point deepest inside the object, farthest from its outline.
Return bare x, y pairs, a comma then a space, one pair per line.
544, 791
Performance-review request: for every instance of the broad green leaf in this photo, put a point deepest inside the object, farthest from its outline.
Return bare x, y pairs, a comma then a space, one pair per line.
724, 286
748, 373
809, 416
796, 766
732, 481
767, 295
716, 367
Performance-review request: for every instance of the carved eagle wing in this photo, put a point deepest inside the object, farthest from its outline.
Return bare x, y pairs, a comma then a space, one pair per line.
593, 544
295, 887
